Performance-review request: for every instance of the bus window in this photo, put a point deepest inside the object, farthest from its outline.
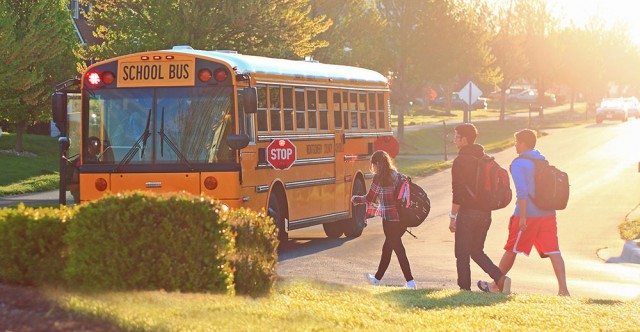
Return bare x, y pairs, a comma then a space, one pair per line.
362, 109
300, 120
345, 109
353, 109
322, 108
287, 103
262, 109
312, 110
372, 110
194, 123
381, 106
274, 108
337, 110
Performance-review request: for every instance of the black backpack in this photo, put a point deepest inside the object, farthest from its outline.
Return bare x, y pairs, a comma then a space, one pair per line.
412, 202
493, 188
552, 185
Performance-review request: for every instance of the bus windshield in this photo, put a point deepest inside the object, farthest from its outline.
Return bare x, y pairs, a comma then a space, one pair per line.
182, 125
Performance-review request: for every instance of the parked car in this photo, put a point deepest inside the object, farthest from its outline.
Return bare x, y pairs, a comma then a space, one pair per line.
633, 106
531, 96
612, 109
459, 104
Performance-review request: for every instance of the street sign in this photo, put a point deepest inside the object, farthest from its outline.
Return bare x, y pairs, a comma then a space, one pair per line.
281, 154
470, 93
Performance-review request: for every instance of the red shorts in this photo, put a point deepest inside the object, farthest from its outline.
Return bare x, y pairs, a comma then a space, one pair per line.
541, 232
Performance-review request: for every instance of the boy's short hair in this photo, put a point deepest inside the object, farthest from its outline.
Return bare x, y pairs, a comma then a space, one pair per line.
527, 136
467, 130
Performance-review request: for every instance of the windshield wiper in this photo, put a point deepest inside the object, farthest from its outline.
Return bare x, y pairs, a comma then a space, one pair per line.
136, 146
170, 143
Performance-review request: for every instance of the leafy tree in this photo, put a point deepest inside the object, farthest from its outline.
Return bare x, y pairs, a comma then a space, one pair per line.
280, 28
356, 36
542, 46
508, 48
36, 45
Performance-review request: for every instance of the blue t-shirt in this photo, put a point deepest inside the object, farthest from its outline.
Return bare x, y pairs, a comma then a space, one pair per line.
522, 171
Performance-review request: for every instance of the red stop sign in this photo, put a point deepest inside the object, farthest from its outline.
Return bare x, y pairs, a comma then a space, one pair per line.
281, 154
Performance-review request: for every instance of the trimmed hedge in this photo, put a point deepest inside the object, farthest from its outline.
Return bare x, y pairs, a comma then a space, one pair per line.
145, 241
31, 245
257, 252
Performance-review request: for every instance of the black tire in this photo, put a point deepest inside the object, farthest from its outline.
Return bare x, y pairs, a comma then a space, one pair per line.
353, 227
333, 229
276, 212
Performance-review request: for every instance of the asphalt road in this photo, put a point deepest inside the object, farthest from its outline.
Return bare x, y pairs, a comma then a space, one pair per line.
602, 163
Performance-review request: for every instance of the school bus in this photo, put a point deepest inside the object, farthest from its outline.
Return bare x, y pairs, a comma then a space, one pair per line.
211, 123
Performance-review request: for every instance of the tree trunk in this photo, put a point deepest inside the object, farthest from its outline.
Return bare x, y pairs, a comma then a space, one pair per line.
20, 129
503, 104
573, 98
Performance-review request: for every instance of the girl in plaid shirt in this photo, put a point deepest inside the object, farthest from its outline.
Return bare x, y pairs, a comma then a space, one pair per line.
381, 202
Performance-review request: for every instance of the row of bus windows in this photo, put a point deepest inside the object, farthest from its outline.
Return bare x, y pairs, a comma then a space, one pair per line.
286, 108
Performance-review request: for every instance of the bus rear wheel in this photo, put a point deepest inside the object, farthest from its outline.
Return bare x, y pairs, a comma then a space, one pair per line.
353, 227
333, 229
277, 213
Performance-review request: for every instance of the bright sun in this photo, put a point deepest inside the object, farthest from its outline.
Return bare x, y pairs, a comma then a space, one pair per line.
610, 12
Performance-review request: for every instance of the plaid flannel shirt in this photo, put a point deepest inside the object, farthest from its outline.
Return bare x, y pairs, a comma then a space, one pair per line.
380, 200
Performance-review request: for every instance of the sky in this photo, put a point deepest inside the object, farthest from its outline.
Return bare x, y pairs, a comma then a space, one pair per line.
610, 11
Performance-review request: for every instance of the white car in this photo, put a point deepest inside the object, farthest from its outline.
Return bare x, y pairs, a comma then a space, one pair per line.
612, 109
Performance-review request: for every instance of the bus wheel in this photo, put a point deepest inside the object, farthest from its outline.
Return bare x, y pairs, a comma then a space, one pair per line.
277, 213
333, 229
355, 225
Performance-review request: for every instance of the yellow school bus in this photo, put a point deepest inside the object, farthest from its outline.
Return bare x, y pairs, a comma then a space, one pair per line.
291, 137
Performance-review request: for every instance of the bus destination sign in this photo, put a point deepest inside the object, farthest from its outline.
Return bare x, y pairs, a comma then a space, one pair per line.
173, 73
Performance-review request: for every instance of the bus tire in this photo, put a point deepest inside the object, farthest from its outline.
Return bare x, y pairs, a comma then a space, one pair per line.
276, 212
354, 226
333, 229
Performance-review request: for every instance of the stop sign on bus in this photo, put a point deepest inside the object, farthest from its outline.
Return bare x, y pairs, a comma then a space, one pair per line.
281, 154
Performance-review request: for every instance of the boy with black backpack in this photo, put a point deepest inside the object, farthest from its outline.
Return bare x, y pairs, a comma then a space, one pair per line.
470, 216
541, 189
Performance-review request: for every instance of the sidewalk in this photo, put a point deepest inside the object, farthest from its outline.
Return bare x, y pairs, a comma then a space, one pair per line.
41, 198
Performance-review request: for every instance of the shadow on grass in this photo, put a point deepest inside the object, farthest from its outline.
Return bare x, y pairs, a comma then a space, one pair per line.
604, 302
427, 299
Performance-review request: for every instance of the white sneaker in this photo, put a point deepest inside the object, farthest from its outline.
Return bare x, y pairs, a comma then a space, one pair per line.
411, 284
372, 279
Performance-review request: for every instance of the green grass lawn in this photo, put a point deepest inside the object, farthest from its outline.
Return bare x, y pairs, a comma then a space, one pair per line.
433, 143
27, 173
313, 306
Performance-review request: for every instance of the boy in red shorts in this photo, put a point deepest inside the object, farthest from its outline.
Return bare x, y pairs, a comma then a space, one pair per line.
530, 226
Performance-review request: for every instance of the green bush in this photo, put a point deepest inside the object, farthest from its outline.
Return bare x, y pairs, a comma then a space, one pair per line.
31, 245
256, 256
630, 229
145, 241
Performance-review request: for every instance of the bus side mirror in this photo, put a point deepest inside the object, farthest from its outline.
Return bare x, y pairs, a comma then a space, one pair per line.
250, 100
59, 111
238, 142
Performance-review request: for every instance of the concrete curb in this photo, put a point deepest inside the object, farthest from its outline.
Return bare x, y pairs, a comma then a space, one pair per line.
630, 254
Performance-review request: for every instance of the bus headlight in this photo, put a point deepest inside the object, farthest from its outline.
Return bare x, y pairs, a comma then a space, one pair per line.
210, 183
101, 184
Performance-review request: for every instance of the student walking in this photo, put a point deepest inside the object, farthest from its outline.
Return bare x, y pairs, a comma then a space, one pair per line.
531, 226
469, 219
385, 180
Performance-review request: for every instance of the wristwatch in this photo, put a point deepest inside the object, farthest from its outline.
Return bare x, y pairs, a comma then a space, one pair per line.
453, 216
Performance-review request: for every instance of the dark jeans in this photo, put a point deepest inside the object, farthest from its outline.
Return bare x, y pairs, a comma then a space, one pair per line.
471, 232
393, 232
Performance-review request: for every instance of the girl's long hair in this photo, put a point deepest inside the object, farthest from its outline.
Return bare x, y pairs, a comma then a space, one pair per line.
384, 166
